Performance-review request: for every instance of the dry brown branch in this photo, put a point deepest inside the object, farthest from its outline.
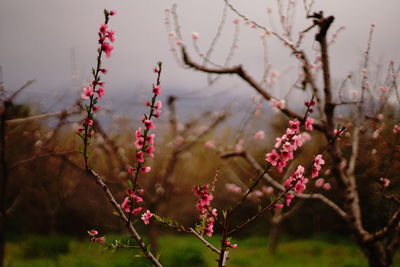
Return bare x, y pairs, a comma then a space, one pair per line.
205, 242
42, 155
238, 70
41, 117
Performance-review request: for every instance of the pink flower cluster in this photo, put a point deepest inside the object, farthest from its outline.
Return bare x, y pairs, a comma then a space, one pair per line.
130, 201
129, 205
297, 181
104, 34
89, 92
144, 142
203, 205
289, 143
93, 233
317, 165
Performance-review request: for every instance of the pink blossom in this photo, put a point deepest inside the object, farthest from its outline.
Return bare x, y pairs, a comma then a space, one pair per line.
150, 151
138, 133
93, 232
89, 122
277, 104
137, 211
297, 141
100, 92
96, 108
286, 155
87, 92
150, 139
230, 245
139, 142
107, 48
385, 181
110, 35
384, 89
278, 206
146, 217
113, 12
104, 71
299, 187
288, 147
319, 160
314, 173
272, 157
288, 199
100, 240
319, 182
139, 156
210, 144
103, 28
267, 189
233, 188
396, 129
156, 90
131, 170
294, 125
149, 124
144, 170
158, 105
309, 123
278, 142
305, 137
327, 186
157, 114
259, 135
195, 36
281, 164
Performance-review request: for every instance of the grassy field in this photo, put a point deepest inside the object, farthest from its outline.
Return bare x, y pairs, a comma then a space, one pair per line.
184, 251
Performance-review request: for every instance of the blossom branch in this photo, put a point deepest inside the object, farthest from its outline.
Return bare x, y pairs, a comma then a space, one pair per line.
125, 219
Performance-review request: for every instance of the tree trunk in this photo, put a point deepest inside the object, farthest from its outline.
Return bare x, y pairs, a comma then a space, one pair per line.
274, 236
376, 254
153, 235
3, 183
153, 229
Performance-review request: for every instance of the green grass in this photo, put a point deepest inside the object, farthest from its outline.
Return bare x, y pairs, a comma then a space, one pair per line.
184, 251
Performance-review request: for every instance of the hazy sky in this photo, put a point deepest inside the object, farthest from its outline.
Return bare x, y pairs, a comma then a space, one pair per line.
38, 37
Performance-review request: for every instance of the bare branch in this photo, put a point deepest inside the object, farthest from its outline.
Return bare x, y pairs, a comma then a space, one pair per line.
42, 116
238, 70
15, 94
42, 155
205, 242
392, 223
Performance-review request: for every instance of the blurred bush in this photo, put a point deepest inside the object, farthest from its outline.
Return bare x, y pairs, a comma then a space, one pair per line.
45, 246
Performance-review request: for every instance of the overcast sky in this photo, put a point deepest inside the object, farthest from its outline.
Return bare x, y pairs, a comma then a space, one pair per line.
39, 37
